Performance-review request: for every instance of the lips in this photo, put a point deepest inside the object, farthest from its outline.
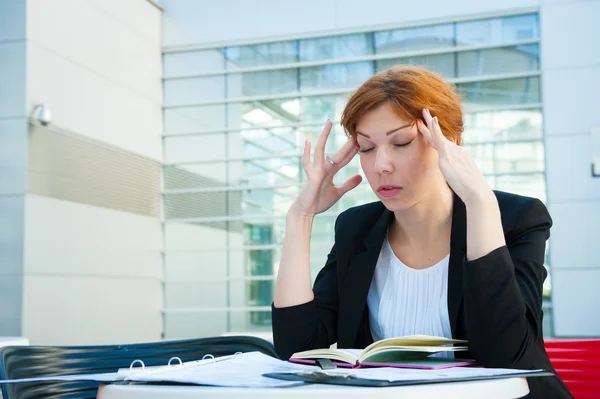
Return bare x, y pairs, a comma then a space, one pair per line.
388, 190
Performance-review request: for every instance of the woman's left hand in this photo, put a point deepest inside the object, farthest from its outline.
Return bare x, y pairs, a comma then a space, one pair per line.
457, 165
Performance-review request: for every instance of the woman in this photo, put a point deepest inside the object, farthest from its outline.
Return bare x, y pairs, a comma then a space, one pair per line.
439, 254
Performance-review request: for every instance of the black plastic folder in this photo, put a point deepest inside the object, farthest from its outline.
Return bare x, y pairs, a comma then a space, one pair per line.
319, 377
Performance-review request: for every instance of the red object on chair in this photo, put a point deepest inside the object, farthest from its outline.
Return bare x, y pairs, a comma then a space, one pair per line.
577, 363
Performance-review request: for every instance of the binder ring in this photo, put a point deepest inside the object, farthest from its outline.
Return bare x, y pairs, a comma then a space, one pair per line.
206, 356
175, 358
134, 362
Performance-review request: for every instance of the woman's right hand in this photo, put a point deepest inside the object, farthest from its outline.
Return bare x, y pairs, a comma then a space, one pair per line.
319, 193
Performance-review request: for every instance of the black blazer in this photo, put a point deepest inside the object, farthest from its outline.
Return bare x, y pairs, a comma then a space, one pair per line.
494, 302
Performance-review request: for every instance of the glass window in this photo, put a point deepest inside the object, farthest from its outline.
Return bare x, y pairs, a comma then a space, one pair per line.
502, 126
505, 158
262, 202
229, 184
262, 54
318, 109
501, 92
498, 60
262, 83
326, 48
531, 185
194, 90
336, 76
194, 119
414, 39
497, 30
193, 62
444, 64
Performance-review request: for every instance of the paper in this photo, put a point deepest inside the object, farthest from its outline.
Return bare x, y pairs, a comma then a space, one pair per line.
391, 374
243, 370
100, 377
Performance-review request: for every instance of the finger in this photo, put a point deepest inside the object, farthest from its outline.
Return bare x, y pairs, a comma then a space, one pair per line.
437, 135
320, 147
306, 154
345, 154
350, 184
425, 132
428, 118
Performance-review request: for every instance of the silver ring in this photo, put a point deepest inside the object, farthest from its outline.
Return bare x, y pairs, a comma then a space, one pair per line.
331, 161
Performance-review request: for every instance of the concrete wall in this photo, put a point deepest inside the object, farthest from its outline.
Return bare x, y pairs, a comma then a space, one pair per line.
93, 267
571, 76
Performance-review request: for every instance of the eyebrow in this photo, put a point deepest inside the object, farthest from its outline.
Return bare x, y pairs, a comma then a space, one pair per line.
387, 133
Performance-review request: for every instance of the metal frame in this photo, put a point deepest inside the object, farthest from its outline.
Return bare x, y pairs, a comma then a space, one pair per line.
323, 93
349, 60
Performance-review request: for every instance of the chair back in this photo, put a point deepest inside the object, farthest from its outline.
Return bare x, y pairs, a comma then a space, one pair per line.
44, 361
577, 362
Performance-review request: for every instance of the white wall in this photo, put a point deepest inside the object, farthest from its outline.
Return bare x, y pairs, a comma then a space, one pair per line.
571, 81
571, 76
13, 143
94, 274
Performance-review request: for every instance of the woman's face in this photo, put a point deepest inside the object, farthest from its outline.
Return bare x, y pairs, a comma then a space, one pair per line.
399, 163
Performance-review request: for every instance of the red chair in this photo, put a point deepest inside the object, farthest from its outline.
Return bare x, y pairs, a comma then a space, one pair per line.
577, 362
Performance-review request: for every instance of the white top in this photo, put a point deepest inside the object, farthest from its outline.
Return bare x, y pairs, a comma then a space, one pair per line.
405, 301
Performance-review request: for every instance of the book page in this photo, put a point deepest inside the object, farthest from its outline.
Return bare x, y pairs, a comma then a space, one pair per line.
414, 340
342, 355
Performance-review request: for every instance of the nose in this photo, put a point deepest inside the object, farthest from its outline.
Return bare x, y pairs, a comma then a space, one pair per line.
383, 161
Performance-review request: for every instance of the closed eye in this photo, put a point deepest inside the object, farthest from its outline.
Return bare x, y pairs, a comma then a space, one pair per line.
366, 150
403, 145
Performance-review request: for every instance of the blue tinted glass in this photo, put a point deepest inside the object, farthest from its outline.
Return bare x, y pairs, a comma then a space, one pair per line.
336, 47
336, 76
441, 63
498, 30
498, 60
501, 92
414, 39
261, 54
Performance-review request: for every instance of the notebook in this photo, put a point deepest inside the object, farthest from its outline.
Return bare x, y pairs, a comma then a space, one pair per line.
412, 351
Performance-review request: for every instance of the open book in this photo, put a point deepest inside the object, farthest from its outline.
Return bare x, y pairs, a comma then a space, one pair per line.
413, 351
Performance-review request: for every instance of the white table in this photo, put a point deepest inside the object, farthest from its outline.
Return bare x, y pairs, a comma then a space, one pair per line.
506, 388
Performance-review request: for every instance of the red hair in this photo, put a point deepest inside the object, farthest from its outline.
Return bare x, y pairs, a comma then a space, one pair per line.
407, 89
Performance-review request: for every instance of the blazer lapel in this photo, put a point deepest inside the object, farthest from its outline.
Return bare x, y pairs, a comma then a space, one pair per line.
458, 245
354, 288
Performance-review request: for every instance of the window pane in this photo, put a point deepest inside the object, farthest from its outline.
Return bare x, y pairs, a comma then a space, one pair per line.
262, 83
498, 60
504, 158
249, 203
414, 39
497, 30
337, 76
502, 126
320, 108
191, 62
533, 185
194, 119
194, 90
501, 92
253, 114
327, 48
440, 63
262, 54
